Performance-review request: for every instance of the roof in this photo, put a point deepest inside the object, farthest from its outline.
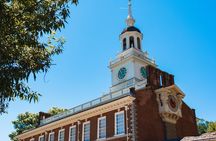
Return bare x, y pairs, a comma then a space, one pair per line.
130, 29
89, 106
86, 106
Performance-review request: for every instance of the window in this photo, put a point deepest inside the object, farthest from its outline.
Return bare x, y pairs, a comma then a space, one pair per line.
131, 41
161, 80
138, 43
124, 44
32, 139
102, 128
61, 135
119, 123
41, 138
72, 135
86, 131
51, 136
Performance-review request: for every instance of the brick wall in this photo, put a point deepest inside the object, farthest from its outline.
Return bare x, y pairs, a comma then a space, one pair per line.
186, 126
149, 123
110, 119
154, 75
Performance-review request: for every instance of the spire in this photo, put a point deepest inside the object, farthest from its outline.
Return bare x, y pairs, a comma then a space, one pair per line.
130, 20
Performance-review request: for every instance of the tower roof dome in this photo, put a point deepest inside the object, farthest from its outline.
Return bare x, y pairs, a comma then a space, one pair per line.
130, 29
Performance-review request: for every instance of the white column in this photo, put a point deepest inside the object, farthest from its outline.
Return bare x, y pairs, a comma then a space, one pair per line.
135, 42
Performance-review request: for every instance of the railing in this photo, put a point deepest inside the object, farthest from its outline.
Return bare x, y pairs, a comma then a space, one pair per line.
133, 53
104, 99
123, 85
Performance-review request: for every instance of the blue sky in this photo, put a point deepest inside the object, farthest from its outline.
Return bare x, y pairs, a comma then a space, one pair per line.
179, 34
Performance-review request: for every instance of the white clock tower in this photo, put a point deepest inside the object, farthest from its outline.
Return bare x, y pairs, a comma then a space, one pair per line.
129, 68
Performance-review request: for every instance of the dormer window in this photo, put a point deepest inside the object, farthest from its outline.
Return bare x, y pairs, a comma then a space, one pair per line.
131, 41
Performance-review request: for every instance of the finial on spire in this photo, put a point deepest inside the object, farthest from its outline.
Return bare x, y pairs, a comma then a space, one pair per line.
129, 9
130, 20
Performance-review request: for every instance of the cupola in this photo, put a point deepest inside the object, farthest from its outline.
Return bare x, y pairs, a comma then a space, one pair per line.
131, 36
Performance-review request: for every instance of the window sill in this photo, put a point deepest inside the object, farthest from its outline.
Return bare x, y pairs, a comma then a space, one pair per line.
102, 139
114, 137
119, 135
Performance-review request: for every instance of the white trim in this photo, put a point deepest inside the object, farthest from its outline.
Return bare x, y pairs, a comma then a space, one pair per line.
32, 139
80, 116
87, 122
59, 133
51, 134
118, 113
104, 117
39, 138
74, 126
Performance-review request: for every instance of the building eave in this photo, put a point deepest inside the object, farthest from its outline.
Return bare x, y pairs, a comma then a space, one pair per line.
117, 104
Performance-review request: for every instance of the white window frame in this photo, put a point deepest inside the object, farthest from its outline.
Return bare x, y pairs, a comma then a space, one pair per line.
118, 113
32, 139
88, 122
59, 134
101, 118
51, 134
42, 136
74, 126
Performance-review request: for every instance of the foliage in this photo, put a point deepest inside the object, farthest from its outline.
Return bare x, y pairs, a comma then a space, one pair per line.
211, 127
28, 121
23, 23
202, 126
205, 126
56, 110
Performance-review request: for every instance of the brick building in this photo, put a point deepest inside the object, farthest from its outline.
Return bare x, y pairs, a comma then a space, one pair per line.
144, 104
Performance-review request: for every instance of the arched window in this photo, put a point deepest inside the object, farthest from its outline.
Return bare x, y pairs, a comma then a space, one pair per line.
131, 41
138, 43
124, 44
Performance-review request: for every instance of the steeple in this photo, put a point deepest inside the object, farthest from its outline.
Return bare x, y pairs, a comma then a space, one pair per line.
130, 20
129, 68
131, 36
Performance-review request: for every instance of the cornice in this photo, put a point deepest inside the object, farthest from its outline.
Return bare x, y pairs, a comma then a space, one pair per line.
78, 117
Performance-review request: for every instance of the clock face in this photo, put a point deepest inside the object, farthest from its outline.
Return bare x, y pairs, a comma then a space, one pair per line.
143, 72
173, 103
122, 73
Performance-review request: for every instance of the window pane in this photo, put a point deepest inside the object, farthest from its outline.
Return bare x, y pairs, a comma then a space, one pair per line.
120, 123
61, 135
51, 137
102, 128
73, 134
86, 132
41, 138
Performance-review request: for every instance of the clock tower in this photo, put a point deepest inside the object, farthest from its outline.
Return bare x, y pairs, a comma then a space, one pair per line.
129, 68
